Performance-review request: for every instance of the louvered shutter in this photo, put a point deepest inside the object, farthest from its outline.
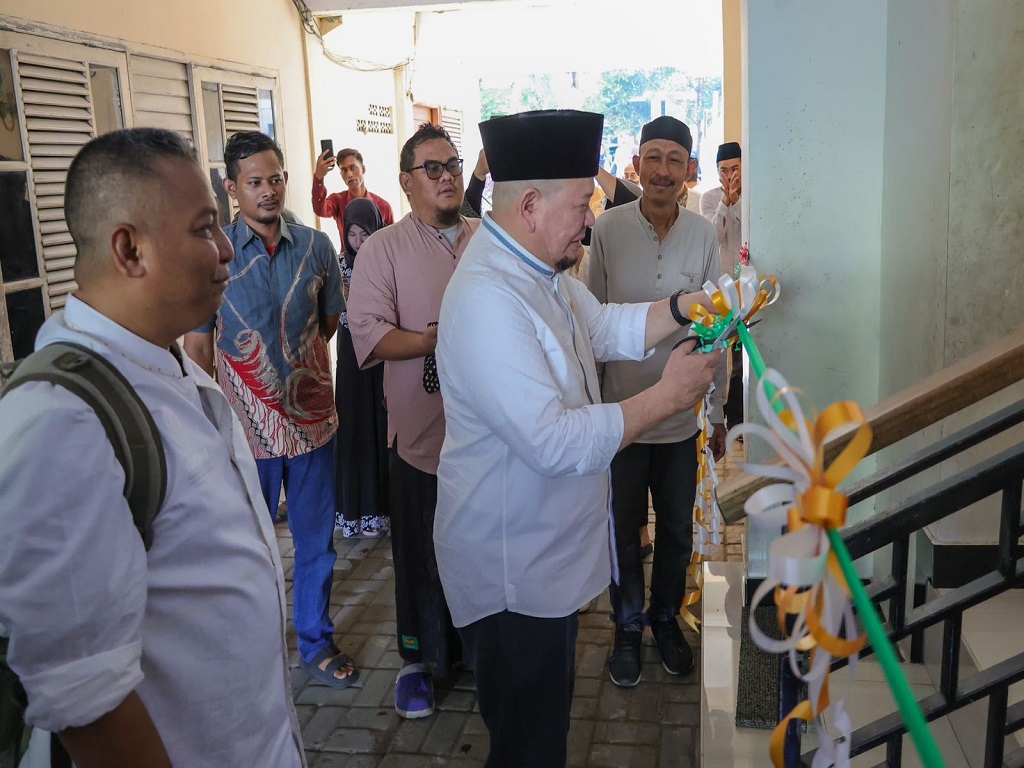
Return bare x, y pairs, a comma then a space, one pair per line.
59, 119
241, 107
451, 121
161, 95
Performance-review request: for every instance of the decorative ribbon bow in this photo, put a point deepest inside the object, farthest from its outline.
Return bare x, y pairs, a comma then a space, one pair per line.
743, 296
803, 571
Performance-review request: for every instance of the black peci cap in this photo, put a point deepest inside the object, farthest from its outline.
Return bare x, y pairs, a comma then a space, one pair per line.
546, 144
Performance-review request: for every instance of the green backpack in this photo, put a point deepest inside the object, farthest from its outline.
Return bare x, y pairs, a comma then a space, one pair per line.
138, 448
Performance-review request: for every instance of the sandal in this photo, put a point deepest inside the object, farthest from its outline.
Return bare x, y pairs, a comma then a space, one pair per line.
325, 676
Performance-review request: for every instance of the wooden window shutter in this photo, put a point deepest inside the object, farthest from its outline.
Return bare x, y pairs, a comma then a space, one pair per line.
451, 121
241, 106
59, 120
161, 96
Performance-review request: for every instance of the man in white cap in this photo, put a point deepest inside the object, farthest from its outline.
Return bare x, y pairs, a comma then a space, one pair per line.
522, 531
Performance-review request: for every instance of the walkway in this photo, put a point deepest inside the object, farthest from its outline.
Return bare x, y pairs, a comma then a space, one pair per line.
653, 725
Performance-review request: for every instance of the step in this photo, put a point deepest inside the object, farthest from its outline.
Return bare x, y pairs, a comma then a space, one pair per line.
723, 744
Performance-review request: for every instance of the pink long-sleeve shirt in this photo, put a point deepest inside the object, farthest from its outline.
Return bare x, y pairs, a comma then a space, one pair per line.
398, 283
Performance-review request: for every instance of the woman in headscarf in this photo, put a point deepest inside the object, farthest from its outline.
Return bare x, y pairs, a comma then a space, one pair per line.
362, 472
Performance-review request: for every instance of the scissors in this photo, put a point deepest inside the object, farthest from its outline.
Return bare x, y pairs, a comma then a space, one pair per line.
724, 337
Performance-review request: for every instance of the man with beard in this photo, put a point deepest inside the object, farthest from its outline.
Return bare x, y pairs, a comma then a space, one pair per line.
394, 304
281, 308
648, 250
522, 529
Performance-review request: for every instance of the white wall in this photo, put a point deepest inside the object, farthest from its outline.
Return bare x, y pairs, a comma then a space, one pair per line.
815, 76
338, 98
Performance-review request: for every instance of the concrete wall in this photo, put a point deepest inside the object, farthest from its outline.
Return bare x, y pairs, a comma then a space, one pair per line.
812, 182
952, 209
813, 125
264, 34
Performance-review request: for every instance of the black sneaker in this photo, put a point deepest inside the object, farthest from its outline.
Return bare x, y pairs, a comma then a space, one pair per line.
676, 656
624, 663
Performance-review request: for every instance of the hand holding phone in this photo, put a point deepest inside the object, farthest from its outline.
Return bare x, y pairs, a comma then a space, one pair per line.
325, 162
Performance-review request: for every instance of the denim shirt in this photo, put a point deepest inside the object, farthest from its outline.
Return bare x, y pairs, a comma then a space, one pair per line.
272, 361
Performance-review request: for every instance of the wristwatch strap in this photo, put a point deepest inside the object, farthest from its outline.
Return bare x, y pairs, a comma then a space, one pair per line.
673, 305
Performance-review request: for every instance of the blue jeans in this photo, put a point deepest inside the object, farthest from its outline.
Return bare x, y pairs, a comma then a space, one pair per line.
309, 487
669, 471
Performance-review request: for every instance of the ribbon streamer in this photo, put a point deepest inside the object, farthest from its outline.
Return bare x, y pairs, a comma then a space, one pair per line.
810, 590
707, 517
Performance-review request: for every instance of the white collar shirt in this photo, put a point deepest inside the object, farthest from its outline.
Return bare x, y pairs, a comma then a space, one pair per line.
629, 263
728, 221
196, 625
523, 483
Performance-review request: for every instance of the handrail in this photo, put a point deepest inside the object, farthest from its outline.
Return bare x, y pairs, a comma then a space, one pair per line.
932, 399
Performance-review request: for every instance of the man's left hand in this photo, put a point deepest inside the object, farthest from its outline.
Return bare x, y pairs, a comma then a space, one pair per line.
717, 441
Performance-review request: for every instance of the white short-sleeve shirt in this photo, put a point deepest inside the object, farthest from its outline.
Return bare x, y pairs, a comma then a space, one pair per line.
196, 626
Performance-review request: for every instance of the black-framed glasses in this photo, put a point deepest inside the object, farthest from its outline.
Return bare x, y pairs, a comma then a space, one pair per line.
435, 169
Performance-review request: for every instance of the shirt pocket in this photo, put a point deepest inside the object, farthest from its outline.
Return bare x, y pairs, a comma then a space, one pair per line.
689, 282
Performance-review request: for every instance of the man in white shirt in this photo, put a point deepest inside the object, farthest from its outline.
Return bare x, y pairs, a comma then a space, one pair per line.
175, 656
723, 207
648, 250
522, 530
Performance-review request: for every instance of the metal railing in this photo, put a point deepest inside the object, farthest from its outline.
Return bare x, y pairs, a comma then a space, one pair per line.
1001, 474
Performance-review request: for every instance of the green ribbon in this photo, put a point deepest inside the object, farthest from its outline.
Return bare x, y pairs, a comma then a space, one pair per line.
909, 709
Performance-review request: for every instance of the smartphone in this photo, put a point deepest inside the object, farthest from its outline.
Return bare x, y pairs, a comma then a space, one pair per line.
327, 145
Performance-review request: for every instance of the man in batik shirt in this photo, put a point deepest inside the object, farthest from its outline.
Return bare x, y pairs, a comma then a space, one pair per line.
281, 307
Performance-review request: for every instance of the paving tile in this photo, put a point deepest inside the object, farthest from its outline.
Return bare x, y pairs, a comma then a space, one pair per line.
593, 661
581, 733
354, 740
627, 733
619, 756
678, 748
445, 731
372, 719
376, 684
613, 703
410, 735
320, 727
645, 704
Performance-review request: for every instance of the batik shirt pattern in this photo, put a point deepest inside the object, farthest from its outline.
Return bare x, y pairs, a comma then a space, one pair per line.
272, 361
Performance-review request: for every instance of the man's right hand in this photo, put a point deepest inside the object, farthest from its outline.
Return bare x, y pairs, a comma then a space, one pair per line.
324, 165
688, 375
730, 190
429, 338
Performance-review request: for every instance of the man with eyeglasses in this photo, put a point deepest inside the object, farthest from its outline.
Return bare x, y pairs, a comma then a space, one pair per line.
394, 304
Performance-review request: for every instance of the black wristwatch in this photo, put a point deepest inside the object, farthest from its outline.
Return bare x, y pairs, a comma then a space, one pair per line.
673, 305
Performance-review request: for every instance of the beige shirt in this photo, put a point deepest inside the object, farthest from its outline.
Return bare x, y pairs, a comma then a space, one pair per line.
398, 282
627, 265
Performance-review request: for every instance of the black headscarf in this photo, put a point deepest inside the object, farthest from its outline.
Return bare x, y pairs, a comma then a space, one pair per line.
363, 213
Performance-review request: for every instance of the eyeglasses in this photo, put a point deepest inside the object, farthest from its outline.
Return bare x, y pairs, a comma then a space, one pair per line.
435, 170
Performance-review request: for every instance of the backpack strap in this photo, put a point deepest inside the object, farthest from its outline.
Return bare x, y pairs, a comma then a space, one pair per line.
125, 418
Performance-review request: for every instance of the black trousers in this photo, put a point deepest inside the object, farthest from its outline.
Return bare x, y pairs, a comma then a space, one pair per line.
669, 470
425, 630
525, 669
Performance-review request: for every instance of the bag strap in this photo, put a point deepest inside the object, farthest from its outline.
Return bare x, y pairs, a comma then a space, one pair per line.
125, 418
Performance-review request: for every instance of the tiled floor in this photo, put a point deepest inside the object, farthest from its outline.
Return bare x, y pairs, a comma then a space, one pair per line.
654, 724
